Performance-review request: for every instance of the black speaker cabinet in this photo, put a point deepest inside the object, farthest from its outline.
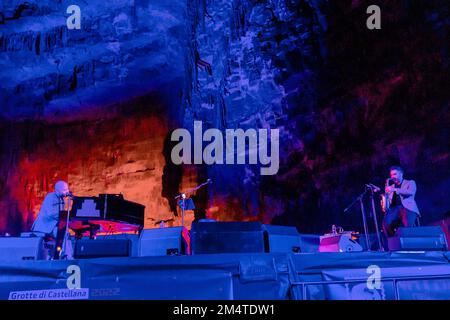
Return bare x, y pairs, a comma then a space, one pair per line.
163, 241
102, 248
133, 238
418, 239
281, 239
17, 249
227, 237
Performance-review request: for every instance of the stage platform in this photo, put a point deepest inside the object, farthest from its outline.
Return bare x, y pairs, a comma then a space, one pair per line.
309, 276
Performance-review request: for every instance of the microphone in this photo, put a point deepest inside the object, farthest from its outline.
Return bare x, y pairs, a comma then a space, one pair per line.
69, 194
181, 195
373, 187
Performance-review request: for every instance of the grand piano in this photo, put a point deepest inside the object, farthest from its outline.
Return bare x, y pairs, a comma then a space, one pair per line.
105, 213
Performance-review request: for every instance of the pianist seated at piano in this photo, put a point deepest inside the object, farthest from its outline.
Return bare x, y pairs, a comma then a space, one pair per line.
47, 220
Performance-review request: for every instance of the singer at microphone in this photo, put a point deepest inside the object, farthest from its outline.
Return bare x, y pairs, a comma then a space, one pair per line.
47, 219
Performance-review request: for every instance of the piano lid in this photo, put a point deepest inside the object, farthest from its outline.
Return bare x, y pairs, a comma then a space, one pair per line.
108, 207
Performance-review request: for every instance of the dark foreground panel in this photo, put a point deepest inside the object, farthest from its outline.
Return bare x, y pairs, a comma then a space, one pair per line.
359, 275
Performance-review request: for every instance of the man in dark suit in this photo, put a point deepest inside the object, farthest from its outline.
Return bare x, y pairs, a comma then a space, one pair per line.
402, 208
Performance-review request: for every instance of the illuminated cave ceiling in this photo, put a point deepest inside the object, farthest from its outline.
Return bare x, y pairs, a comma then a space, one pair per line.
124, 49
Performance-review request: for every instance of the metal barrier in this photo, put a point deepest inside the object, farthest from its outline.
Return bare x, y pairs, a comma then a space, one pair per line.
394, 280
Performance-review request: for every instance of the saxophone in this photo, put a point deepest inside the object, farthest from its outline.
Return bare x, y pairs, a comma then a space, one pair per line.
385, 198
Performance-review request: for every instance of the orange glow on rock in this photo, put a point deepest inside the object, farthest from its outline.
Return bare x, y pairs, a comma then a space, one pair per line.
109, 156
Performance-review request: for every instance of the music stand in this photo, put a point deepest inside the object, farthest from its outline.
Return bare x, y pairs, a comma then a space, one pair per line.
188, 204
185, 204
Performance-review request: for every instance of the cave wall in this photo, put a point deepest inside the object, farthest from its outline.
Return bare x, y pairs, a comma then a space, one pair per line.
349, 102
124, 49
91, 106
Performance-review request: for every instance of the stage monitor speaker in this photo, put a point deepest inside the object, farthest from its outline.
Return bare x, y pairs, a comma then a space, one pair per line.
134, 240
373, 241
163, 241
281, 239
226, 237
17, 249
102, 248
418, 239
339, 243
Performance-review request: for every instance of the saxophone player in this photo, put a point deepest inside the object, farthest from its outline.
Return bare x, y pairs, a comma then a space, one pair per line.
402, 209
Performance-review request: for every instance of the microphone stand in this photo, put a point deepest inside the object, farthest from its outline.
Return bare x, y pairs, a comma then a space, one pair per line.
183, 198
363, 212
57, 252
371, 189
63, 247
375, 220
